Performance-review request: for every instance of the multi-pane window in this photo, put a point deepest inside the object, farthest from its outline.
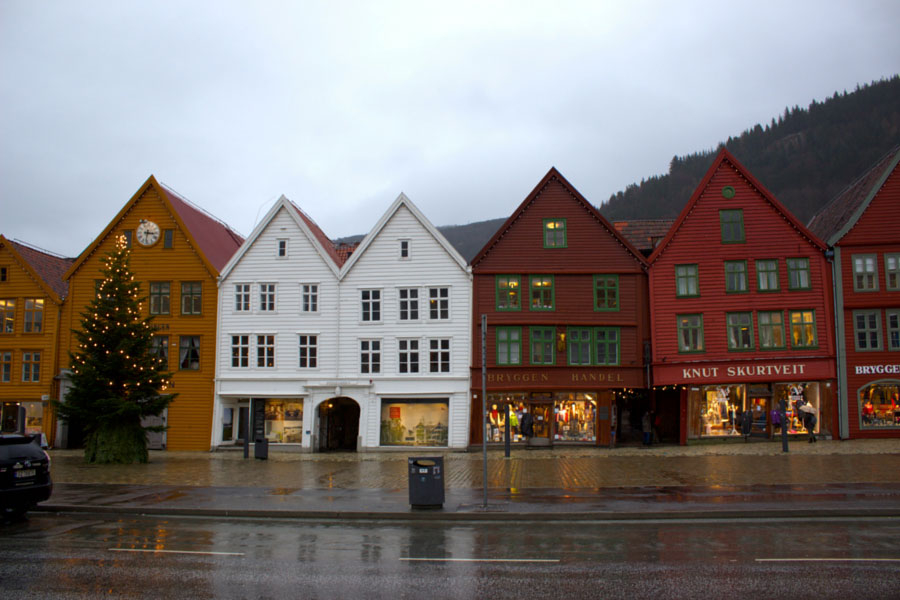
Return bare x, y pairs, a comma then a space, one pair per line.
409, 304
892, 271
554, 233
5, 367
740, 331
687, 280
735, 276
865, 273
265, 351
542, 345
803, 329
189, 353
159, 297
771, 330
767, 275
798, 273
191, 297
168, 238
7, 315
509, 345
867, 329
282, 249
507, 292
370, 356
732, 225
578, 345
606, 346
404, 249
309, 298
34, 315
690, 333
267, 297
159, 347
541, 292
31, 366
240, 351
409, 355
439, 355
892, 316
242, 297
309, 350
370, 304
439, 303
606, 292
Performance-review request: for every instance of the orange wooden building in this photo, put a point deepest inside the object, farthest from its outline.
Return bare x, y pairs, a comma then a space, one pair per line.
31, 298
177, 250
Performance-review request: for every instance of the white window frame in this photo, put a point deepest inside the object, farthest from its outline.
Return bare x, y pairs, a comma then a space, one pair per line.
438, 304
439, 355
312, 351
371, 306
281, 248
242, 297
370, 356
412, 303
265, 350
268, 297
309, 296
240, 351
408, 356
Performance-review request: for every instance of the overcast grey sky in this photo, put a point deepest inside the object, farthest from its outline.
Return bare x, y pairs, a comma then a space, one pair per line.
341, 106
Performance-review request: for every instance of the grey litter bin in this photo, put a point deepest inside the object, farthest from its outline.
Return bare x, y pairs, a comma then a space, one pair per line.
426, 482
261, 448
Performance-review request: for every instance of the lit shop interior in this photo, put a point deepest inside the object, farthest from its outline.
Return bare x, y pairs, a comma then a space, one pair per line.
879, 405
560, 416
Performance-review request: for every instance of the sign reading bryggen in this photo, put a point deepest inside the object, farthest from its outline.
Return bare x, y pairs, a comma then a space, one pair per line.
808, 370
621, 377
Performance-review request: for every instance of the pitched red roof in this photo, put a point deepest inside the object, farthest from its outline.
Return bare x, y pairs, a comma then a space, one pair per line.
48, 267
217, 241
344, 250
835, 215
323, 239
644, 234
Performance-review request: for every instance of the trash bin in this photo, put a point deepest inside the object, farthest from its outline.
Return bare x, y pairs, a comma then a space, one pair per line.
261, 448
426, 482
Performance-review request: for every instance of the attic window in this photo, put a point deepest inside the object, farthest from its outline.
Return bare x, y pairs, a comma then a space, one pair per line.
128, 233
168, 238
282, 248
404, 249
554, 233
3, 274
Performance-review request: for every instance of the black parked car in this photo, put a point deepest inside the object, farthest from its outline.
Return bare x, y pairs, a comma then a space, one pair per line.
24, 474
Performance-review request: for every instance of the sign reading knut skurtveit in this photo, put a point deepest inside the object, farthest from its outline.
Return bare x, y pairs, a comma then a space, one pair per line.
729, 372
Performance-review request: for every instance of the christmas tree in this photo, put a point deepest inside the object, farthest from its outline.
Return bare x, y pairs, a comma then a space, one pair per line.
117, 378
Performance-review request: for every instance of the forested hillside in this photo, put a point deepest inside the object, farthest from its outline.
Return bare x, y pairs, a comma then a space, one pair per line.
804, 158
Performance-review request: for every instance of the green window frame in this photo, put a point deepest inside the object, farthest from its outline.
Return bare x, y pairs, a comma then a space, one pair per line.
867, 330
606, 293
803, 329
191, 297
798, 273
892, 272
736, 276
740, 331
508, 292
771, 330
606, 346
690, 333
543, 345
578, 346
555, 233
892, 316
5, 366
541, 292
159, 297
687, 281
865, 272
767, 275
731, 224
509, 345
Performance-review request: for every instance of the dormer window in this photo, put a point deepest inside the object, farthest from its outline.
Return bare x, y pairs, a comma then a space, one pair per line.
404, 249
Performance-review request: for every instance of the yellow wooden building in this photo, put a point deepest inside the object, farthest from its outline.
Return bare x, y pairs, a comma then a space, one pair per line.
32, 291
177, 250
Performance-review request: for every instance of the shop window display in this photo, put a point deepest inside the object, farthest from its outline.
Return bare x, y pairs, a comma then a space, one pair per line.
576, 417
796, 395
495, 428
879, 405
718, 410
414, 423
284, 421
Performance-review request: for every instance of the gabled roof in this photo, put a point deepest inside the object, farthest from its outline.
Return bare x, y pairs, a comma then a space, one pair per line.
46, 269
645, 234
316, 236
726, 157
214, 241
402, 200
839, 216
552, 175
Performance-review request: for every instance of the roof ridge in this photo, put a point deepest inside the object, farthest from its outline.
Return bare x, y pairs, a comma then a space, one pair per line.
239, 237
41, 250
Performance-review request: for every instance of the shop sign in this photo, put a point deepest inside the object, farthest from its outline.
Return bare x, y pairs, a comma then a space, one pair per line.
538, 377
878, 370
744, 371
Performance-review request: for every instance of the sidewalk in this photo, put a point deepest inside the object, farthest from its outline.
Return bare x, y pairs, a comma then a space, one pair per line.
723, 480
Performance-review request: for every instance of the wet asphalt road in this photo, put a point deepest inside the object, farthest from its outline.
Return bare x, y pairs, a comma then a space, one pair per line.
70, 556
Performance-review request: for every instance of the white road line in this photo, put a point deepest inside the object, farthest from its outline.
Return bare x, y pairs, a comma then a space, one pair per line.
827, 559
485, 560
150, 551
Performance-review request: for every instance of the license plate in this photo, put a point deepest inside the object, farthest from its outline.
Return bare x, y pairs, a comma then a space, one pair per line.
25, 473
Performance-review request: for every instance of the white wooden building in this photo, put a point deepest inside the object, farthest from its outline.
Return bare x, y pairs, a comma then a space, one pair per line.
317, 353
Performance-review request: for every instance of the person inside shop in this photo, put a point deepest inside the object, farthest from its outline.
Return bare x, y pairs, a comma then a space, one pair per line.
527, 423
647, 427
868, 412
746, 424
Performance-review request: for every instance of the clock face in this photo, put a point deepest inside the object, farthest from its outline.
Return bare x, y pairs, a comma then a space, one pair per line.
147, 233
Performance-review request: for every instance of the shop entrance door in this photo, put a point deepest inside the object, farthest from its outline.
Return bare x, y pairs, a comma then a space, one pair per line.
760, 405
543, 422
338, 425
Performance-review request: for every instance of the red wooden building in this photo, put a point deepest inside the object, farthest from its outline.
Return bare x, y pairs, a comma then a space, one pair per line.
565, 297
741, 310
862, 225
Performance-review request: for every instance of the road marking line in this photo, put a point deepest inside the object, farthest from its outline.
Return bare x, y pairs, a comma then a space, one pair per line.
827, 559
175, 551
496, 560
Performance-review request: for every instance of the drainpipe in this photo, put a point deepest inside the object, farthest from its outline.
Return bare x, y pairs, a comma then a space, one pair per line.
833, 255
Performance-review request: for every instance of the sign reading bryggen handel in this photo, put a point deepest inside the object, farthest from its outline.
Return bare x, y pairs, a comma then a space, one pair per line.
764, 372
878, 369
